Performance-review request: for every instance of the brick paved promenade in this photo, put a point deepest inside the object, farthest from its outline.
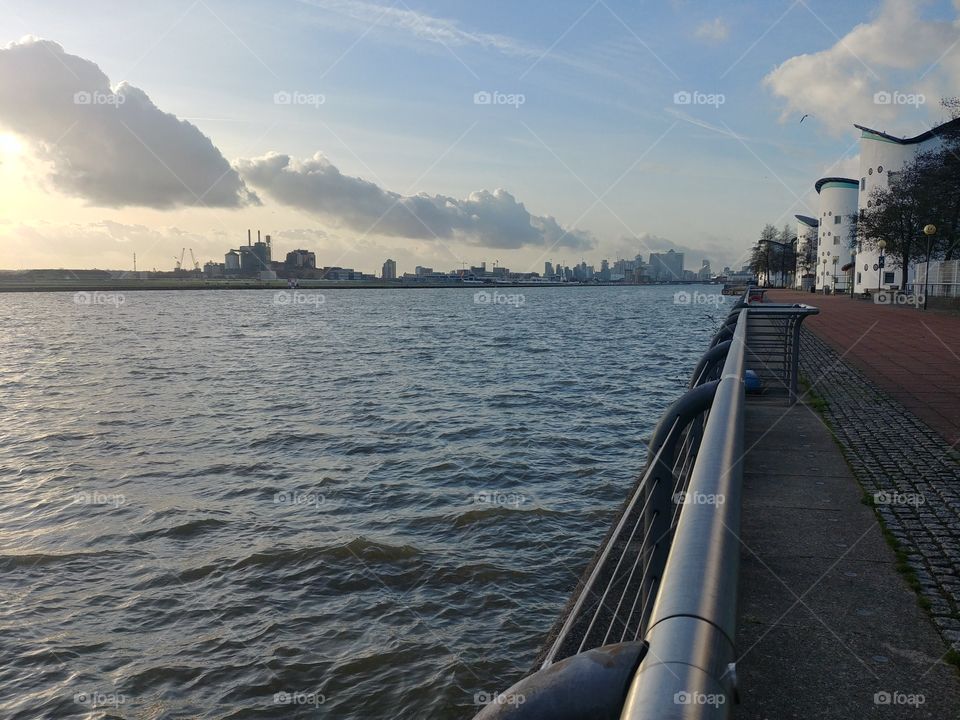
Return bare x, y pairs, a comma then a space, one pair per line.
912, 355
899, 437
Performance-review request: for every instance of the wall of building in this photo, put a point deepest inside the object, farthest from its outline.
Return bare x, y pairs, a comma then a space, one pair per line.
879, 157
838, 213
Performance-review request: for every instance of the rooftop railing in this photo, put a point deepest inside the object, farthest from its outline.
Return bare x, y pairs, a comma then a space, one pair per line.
650, 630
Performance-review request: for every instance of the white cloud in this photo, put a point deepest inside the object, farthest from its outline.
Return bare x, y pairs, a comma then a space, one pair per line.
111, 147
490, 219
898, 51
421, 25
715, 30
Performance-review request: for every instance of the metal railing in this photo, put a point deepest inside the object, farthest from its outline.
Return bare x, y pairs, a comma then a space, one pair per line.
649, 631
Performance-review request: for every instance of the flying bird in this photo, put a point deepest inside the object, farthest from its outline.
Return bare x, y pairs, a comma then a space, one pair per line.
804, 118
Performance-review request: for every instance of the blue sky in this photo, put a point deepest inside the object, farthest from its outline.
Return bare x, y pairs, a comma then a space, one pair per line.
598, 143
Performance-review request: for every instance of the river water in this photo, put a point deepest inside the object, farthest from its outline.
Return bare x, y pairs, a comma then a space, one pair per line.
359, 504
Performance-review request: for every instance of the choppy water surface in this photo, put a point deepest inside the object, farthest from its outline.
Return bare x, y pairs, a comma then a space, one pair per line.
217, 505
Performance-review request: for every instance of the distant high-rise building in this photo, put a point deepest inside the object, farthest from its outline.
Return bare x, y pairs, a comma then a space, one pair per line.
705, 272
666, 267
301, 260
548, 269
389, 270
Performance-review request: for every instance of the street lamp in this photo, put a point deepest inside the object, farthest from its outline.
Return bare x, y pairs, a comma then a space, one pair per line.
835, 258
928, 230
882, 244
824, 275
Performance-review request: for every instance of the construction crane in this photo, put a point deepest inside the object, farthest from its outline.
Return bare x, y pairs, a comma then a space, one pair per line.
179, 261
196, 265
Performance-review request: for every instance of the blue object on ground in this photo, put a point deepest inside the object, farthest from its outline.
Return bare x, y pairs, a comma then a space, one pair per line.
752, 381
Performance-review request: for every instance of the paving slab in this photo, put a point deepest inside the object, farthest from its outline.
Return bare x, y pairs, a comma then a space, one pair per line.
827, 626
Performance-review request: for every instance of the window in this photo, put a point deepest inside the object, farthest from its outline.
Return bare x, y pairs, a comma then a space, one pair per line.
863, 183
863, 213
836, 241
837, 219
879, 168
869, 203
830, 212
888, 277
870, 171
858, 279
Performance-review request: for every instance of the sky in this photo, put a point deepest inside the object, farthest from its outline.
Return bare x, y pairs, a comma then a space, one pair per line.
444, 134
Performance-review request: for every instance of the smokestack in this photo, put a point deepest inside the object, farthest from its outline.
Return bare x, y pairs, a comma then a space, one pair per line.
248, 237
258, 236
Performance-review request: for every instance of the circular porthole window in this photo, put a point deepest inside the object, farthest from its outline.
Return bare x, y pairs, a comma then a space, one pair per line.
879, 168
869, 203
866, 266
870, 171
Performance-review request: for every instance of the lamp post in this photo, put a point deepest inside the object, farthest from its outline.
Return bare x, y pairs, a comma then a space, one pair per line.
824, 276
882, 244
929, 230
835, 258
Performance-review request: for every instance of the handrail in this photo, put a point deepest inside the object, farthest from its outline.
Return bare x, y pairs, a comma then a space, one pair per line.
693, 623
678, 533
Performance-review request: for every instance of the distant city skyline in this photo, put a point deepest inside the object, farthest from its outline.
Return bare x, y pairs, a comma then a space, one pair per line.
441, 135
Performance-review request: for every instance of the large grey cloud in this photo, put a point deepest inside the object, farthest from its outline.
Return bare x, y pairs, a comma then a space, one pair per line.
111, 147
491, 219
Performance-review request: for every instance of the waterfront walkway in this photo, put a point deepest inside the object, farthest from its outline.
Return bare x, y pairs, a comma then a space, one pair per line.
913, 356
827, 626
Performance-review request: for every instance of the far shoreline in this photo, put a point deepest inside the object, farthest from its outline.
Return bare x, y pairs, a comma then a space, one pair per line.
304, 286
